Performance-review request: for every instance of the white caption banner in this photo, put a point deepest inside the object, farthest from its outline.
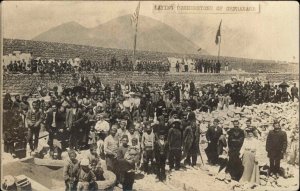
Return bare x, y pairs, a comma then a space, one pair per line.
206, 7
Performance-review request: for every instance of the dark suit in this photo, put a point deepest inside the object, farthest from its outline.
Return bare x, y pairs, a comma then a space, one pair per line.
212, 135
160, 151
75, 124
53, 126
191, 136
236, 138
276, 147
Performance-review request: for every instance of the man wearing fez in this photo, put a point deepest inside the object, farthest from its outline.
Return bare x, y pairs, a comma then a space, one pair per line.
236, 138
276, 146
34, 119
212, 136
74, 120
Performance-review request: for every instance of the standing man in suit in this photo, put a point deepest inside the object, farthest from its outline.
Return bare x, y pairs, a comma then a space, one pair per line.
212, 136
54, 125
236, 137
294, 92
34, 119
175, 144
74, 124
276, 147
177, 66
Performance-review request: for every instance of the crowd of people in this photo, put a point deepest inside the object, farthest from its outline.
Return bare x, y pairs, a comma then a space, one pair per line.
142, 126
52, 66
204, 66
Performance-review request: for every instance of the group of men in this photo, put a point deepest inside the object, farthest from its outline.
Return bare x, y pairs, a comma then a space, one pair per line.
202, 66
53, 66
228, 142
207, 66
248, 93
41, 66
154, 123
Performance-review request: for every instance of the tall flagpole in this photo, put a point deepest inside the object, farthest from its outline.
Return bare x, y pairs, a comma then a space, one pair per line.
219, 49
219, 33
135, 33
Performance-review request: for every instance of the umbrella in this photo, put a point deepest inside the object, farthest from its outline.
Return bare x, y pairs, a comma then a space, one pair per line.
284, 85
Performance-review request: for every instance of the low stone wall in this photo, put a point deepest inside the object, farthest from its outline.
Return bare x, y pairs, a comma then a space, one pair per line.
24, 83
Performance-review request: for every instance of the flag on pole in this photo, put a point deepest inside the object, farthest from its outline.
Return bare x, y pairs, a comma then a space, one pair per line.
134, 21
218, 36
135, 16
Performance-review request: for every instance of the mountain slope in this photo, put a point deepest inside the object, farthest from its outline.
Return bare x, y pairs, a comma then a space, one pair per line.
65, 33
153, 35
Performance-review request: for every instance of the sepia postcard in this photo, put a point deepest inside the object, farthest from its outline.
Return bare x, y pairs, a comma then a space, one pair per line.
149, 95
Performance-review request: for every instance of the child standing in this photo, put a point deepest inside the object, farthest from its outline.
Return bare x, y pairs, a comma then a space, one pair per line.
160, 150
147, 145
132, 155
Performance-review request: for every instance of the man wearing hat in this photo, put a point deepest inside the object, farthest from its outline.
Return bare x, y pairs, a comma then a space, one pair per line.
276, 146
175, 144
212, 136
236, 138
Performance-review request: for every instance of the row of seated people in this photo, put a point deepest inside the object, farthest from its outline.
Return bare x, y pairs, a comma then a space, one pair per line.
71, 66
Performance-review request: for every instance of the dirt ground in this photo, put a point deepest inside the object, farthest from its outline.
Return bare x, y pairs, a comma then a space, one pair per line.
43, 175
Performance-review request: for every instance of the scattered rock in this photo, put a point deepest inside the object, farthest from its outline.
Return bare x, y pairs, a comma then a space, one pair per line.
263, 182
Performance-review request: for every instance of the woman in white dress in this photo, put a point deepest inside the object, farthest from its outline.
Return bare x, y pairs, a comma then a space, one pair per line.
249, 159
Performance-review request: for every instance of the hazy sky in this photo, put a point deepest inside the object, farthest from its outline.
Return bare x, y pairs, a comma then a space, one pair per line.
271, 34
